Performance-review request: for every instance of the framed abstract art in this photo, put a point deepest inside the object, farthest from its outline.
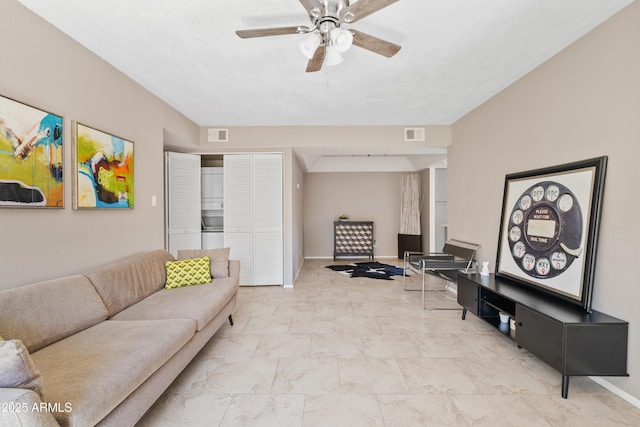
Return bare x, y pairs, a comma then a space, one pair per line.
31, 156
103, 169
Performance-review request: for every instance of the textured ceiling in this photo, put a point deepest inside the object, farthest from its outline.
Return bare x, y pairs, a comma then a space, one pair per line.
455, 55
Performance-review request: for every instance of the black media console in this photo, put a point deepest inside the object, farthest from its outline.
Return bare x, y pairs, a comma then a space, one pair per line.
570, 340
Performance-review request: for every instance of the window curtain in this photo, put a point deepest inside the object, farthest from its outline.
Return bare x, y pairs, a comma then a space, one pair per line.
410, 204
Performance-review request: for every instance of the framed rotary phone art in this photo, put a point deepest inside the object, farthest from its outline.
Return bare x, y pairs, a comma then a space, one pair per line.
549, 228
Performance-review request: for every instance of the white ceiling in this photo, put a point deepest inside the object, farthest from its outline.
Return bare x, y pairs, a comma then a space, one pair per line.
455, 55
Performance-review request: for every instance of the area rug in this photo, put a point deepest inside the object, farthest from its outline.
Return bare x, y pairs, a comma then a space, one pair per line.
373, 270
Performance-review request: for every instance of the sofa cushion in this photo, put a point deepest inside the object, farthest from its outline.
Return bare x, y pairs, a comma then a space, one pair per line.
95, 370
124, 283
200, 303
16, 367
45, 312
188, 272
219, 259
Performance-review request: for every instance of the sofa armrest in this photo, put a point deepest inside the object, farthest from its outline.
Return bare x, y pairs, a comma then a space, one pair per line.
20, 407
234, 268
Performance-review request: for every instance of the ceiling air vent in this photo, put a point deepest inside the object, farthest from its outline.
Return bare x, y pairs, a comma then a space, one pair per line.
218, 135
414, 134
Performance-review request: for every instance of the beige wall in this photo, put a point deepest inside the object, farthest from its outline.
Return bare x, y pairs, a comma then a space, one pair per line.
373, 139
44, 68
362, 196
301, 240
583, 103
297, 223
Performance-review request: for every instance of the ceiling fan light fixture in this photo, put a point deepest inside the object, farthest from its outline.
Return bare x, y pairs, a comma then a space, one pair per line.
309, 44
341, 39
332, 56
324, 41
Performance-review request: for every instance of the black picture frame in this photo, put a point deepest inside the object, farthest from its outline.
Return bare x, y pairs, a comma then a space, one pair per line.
549, 227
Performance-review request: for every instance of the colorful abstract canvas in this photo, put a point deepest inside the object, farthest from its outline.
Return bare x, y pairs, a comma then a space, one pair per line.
30, 156
103, 176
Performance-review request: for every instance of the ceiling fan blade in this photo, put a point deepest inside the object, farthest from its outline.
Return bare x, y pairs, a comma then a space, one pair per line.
309, 5
374, 44
315, 63
275, 31
364, 8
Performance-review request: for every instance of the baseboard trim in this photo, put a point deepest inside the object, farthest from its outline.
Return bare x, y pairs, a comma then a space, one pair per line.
297, 273
617, 391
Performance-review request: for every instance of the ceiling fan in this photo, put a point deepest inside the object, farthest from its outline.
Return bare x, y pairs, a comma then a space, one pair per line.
326, 41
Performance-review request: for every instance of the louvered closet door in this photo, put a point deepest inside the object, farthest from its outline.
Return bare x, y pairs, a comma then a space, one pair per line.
238, 212
267, 219
241, 250
237, 193
253, 216
182, 172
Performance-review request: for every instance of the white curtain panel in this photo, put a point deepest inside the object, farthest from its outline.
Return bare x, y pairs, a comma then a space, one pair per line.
410, 204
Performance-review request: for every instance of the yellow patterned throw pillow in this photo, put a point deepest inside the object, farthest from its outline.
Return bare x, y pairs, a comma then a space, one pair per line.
195, 271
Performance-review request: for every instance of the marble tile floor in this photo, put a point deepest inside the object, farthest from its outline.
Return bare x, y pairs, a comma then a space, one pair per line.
339, 351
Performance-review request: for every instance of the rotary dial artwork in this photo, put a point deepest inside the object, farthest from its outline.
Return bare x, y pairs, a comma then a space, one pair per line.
545, 230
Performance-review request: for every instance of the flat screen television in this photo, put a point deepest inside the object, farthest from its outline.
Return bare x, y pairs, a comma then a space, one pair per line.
549, 229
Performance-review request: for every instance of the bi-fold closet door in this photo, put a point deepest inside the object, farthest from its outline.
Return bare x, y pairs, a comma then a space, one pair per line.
253, 216
182, 208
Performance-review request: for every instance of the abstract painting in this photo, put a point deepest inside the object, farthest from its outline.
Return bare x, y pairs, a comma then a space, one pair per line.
30, 156
103, 175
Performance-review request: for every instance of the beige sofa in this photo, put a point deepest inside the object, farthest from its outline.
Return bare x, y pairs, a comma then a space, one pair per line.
107, 343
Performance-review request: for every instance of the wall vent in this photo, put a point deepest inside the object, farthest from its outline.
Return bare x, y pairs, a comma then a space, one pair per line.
414, 134
218, 135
